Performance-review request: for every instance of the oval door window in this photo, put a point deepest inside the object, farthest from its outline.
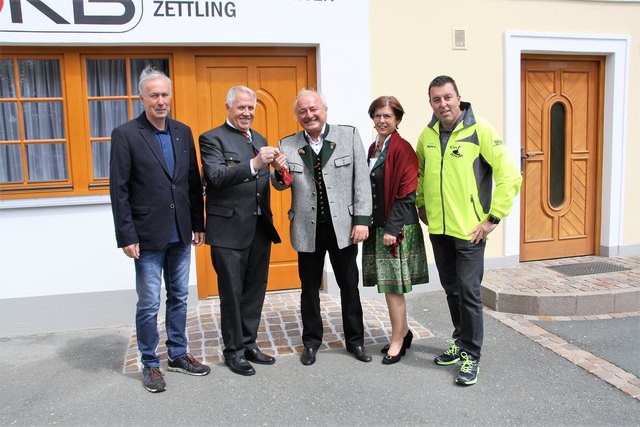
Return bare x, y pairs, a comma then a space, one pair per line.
557, 142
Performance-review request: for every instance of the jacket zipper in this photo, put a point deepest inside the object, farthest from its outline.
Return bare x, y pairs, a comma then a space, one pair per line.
473, 205
444, 222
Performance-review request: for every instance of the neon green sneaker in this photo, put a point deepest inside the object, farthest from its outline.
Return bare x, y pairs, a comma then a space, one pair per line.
451, 356
469, 370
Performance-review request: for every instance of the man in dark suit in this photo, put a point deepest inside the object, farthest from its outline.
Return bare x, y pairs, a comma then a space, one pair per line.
156, 197
235, 165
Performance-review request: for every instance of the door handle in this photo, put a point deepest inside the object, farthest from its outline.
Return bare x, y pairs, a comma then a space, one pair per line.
525, 156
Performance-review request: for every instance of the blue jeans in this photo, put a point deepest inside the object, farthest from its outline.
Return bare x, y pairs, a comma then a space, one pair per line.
173, 262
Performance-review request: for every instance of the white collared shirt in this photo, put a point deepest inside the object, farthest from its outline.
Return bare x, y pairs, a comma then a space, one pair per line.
316, 146
373, 160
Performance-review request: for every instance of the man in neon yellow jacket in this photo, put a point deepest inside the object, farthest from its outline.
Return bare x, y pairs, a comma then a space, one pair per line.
460, 155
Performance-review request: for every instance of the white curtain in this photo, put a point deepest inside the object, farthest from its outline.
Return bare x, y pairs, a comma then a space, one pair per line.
43, 119
10, 155
107, 78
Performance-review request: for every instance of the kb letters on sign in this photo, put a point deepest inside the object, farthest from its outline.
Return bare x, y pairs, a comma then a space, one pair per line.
79, 15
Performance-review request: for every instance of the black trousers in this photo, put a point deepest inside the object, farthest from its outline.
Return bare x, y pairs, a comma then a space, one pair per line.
460, 265
310, 269
242, 283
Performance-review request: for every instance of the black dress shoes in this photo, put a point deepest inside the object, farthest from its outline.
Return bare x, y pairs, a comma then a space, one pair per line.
360, 353
308, 356
406, 341
390, 360
239, 365
256, 356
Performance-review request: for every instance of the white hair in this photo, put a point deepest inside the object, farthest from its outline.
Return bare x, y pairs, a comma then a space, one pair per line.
150, 73
305, 92
231, 95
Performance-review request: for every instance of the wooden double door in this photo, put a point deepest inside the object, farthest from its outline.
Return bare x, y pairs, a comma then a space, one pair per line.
561, 117
276, 75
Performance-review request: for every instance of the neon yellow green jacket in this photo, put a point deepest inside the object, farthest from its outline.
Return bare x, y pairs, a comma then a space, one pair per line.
455, 189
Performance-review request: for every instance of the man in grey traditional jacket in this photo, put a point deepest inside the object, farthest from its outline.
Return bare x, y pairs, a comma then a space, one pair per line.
326, 168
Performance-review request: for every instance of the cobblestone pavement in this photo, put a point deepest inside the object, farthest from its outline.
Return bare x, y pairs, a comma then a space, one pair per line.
534, 288
537, 277
280, 329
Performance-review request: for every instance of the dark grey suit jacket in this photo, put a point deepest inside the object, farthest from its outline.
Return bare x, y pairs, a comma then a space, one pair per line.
145, 199
233, 193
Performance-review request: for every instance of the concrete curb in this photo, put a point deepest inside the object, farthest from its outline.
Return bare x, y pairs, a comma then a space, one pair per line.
558, 304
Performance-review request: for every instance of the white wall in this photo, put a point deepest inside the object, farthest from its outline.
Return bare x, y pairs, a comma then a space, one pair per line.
339, 29
67, 246
60, 250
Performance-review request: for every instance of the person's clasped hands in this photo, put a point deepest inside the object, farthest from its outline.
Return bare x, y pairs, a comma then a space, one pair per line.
265, 156
280, 161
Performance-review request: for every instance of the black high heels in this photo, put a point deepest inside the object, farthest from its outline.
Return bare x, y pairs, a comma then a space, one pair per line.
390, 360
406, 342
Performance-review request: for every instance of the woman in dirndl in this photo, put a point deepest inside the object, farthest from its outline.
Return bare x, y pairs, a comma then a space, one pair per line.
393, 257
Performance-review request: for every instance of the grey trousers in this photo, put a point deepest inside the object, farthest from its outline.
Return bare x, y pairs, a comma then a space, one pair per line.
460, 265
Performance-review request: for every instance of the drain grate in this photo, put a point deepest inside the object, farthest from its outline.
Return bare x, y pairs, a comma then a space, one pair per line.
586, 268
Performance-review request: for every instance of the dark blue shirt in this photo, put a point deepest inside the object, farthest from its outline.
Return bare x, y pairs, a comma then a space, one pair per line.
166, 145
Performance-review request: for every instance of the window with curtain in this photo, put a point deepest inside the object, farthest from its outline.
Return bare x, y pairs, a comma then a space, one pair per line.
112, 93
58, 107
33, 145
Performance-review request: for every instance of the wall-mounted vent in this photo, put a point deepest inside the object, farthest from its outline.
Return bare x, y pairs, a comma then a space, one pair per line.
459, 38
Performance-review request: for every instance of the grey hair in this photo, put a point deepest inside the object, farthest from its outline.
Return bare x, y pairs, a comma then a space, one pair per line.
150, 73
305, 92
231, 95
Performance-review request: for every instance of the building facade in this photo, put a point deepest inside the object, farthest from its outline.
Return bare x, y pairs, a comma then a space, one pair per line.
557, 87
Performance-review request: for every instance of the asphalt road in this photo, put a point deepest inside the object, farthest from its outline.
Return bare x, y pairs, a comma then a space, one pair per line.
614, 340
75, 378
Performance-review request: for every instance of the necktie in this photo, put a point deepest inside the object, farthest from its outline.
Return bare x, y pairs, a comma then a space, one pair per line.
248, 136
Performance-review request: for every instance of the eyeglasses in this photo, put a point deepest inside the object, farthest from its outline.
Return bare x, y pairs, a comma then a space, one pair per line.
383, 116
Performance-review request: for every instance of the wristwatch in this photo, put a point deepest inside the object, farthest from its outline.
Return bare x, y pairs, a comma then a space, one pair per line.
493, 220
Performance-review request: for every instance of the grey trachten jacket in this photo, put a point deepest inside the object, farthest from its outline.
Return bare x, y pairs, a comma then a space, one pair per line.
346, 177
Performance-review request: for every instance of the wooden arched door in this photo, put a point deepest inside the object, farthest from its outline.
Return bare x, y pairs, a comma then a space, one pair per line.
561, 116
276, 76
